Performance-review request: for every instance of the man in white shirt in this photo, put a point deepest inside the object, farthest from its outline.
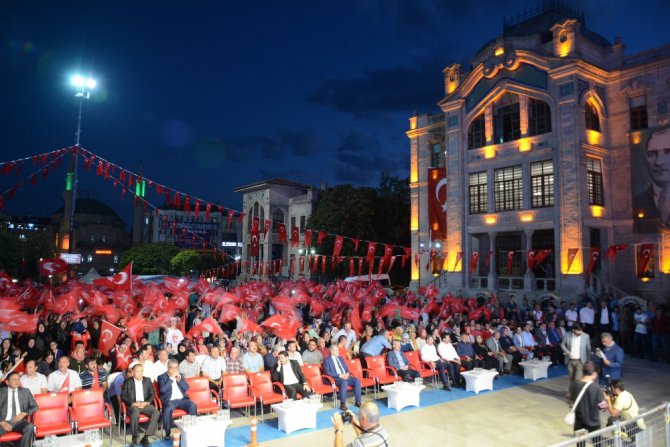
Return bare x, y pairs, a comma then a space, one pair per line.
160, 366
144, 358
448, 353
63, 379
293, 353
347, 332
214, 367
421, 339
571, 315
577, 349
587, 317
252, 360
34, 381
640, 336
429, 355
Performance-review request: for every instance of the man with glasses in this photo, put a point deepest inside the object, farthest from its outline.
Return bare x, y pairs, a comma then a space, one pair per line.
173, 389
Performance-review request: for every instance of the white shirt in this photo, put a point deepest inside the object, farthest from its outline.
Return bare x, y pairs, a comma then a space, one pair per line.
10, 416
295, 356
571, 316
174, 337
149, 370
605, 316
56, 379
351, 336
139, 391
575, 347
289, 375
429, 353
640, 322
214, 367
176, 392
420, 342
35, 384
158, 369
447, 351
587, 315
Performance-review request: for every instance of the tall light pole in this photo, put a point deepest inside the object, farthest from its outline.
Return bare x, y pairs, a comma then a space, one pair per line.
84, 87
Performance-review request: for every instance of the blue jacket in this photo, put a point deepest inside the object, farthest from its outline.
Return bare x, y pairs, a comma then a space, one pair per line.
329, 366
165, 387
392, 359
614, 354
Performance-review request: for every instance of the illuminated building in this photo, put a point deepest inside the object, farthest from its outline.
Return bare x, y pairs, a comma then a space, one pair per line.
539, 141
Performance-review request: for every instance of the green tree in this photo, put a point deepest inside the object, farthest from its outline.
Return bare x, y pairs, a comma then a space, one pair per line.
10, 254
186, 262
150, 259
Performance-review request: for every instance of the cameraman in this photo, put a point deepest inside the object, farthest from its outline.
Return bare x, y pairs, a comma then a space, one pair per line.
369, 432
622, 407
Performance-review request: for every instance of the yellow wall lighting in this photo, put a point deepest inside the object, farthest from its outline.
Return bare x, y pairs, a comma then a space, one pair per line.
525, 145
527, 217
66, 242
103, 252
594, 138
414, 217
640, 215
490, 220
489, 152
577, 267
597, 211
499, 50
637, 137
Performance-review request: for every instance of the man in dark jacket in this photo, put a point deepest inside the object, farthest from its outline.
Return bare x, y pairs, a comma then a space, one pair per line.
138, 395
288, 373
16, 404
173, 388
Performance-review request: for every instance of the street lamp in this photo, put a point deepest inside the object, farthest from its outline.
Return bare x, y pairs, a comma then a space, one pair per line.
83, 88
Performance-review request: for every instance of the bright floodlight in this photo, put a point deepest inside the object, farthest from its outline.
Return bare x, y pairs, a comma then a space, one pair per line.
90, 83
78, 81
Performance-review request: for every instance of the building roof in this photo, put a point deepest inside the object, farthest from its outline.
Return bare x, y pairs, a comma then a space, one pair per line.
270, 182
91, 206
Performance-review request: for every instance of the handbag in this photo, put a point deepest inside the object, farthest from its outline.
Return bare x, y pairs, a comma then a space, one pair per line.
569, 418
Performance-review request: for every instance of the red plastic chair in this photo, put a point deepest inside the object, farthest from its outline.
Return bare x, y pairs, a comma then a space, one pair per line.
320, 383
200, 393
382, 373
88, 411
262, 388
237, 394
10, 436
423, 368
363, 375
144, 419
53, 416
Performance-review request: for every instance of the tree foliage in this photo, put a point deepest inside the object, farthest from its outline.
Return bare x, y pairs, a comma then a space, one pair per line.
20, 255
186, 262
150, 259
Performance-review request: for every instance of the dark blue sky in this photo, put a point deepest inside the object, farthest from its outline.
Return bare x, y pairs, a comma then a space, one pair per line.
214, 95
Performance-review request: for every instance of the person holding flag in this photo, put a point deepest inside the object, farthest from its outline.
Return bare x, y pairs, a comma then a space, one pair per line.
63, 379
93, 377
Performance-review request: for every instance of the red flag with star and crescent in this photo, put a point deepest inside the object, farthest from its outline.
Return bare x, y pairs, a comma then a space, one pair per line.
646, 254
337, 247
372, 248
473, 261
51, 266
121, 281
595, 254
295, 236
108, 335
388, 252
437, 202
281, 229
308, 238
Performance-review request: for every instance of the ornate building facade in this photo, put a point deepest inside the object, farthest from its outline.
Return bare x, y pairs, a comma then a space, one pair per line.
541, 147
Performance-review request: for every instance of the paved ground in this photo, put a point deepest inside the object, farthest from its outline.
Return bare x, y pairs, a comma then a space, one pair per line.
517, 413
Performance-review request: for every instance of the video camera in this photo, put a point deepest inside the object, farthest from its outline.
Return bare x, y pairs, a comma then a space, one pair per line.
609, 390
347, 417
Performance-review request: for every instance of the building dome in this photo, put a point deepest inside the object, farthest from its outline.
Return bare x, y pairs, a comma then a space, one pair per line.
92, 206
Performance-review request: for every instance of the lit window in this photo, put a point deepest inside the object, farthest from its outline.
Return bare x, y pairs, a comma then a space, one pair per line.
93, 238
542, 184
539, 117
103, 238
89, 258
478, 193
591, 116
508, 188
436, 156
594, 181
477, 132
506, 118
116, 259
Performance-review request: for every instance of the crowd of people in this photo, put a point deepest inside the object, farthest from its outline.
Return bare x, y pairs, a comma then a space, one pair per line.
62, 353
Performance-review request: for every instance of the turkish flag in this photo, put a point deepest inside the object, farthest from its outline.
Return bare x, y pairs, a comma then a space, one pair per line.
473, 261
295, 236
351, 267
614, 250
360, 266
540, 256
388, 252
530, 261
247, 325
254, 246
595, 253
572, 254
266, 227
372, 248
121, 281
646, 255
320, 237
281, 228
281, 326
208, 325
231, 213
51, 266
437, 202
337, 248
356, 242
255, 225
459, 257
510, 260
487, 261
21, 322
406, 256
355, 320
108, 335
308, 238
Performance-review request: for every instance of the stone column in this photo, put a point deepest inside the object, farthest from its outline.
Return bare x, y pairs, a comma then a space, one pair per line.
529, 277
493, 277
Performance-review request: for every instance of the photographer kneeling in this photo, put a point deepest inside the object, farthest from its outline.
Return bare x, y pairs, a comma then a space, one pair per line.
622, 407
369, 432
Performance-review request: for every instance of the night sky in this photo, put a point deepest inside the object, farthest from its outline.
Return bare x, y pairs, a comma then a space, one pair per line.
222, 94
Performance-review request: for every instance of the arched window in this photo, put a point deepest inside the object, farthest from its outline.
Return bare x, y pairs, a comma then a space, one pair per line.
506, 118
255, 211
477, 132
277, 218
591, 116
539, 117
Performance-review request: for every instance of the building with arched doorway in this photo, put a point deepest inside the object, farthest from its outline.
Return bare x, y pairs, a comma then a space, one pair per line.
529, 177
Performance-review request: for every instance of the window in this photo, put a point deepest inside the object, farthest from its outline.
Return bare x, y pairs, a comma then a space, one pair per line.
506, 118
508, 188
436, 156
478, 193
116, 259
592, 117
542, 184
477, 132
303, 224
292, 223
594, 181
92, 237
255, 211
638, 113
103, 238
277, 218
539, 117
89, 258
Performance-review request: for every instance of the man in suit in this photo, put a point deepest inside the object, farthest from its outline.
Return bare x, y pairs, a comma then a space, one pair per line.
138, 395
504, 359
651, 208
398, 360
173, 391
335, 367
288, 373
16, 404
577, 349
